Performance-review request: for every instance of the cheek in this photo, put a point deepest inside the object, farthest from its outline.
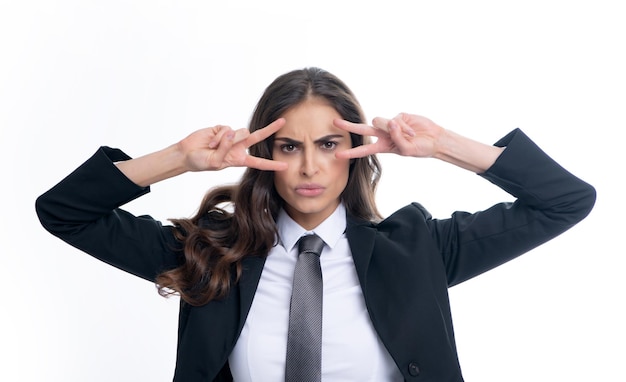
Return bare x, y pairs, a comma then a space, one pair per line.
342, 168
279, 180
282, 181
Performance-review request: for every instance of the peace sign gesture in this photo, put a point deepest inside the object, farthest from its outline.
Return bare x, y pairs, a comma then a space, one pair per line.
417, 136
208, 149
219, 147
406, 134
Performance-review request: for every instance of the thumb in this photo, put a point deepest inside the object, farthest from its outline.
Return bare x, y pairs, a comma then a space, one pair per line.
381, 123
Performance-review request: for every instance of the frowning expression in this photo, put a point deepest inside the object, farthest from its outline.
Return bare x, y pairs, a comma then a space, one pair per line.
312, 184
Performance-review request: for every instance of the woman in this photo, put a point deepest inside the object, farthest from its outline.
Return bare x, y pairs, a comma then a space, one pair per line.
386, 313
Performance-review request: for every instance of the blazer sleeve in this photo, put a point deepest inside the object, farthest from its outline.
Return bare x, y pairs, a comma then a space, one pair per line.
549, 201
83, 210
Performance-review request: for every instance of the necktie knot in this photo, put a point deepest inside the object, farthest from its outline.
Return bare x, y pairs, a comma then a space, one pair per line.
310, 243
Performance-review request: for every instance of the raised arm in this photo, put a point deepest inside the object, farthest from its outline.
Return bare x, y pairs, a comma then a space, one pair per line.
83, 209
549, 199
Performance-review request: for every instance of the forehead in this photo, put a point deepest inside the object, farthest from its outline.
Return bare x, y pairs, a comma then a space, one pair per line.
313, 117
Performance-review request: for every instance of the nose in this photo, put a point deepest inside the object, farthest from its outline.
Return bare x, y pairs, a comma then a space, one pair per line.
309, 163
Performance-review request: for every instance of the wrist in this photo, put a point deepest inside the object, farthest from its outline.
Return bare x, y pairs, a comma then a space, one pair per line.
444, 145
174, 160
154, 167
465, 152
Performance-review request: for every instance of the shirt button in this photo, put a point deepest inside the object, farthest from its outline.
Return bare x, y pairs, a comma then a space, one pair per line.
414, 370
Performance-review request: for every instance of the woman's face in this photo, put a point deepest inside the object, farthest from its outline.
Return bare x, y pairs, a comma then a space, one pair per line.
312, 184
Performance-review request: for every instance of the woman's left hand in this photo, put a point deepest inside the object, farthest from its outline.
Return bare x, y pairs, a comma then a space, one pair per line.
406, 134
417, 136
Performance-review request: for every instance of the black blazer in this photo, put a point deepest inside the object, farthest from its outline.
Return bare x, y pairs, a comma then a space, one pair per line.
405, 263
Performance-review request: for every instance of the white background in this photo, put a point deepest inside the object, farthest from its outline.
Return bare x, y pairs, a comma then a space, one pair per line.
141, 75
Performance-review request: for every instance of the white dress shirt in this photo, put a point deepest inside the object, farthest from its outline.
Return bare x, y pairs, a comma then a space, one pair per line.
351, 350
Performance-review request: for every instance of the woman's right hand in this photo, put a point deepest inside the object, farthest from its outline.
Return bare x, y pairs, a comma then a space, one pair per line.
212, 148
219, 147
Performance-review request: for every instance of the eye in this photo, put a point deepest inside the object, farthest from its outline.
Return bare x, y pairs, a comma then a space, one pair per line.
329, 145
288, 148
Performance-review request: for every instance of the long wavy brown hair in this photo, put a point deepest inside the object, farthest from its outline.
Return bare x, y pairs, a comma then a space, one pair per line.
240, 220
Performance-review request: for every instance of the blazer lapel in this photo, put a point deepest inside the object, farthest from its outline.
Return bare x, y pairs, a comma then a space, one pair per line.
361, 235
252, 268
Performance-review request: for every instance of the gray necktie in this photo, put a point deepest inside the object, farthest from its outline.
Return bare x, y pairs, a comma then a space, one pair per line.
304, 339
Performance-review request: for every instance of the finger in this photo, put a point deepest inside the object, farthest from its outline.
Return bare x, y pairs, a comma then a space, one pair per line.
357, 128
359, 151
218, 133
402, 120
381, 123
224, 146
396, 132
241, 135
264, 164
264, 133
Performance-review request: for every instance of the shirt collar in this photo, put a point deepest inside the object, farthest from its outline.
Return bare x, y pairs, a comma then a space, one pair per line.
330, 230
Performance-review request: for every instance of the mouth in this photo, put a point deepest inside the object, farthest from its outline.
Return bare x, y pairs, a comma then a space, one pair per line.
309, 189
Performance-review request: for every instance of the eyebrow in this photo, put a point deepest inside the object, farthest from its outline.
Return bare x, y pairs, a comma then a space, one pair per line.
325, 138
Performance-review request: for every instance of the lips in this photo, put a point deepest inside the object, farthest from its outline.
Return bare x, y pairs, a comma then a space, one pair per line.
309, 189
